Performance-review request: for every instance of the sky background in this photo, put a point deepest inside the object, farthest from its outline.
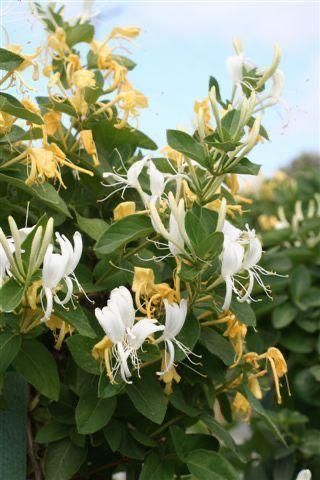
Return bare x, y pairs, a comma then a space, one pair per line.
183, 43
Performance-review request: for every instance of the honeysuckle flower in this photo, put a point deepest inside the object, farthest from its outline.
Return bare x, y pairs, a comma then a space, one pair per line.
15, 75
57, 41
45, 163
242, 250
149, 294
169, 376
277, 363
130, 179
52, 120
89, 145
58, 267
117, 320
83, 79
11, 263
125, 32
304, 475
129, 100
175, 318
231, 260
6, 122
241, 406
123, 210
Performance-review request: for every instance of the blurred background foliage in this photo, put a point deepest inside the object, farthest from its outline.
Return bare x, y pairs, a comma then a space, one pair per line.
286, 211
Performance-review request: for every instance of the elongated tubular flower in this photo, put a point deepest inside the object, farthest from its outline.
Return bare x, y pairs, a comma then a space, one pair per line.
58, 267
130, 179
231, 260
175, 318
117, 320
241, 252
14, 74
11, 263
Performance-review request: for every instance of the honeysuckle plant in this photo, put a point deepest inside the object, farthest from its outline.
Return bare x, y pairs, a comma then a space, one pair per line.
287, 216
127, 276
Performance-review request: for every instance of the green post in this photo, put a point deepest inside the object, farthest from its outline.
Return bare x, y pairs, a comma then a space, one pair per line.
13, 428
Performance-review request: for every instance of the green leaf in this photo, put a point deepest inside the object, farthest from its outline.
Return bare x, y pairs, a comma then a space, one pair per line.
214, 83
9, 347
188, 336
180, 403
184, 143
10, 104
106, 389
126, 230
221, 434
307, 387
217, 345
245, 167
230, 121
39, 368
79, 33
11, 295
107, 137
184, 443
52, 432
93, 413
298, 342
207, 465
81, 348
125, 61
93, 227
148, 398
300, 283
45, 192
17, 134
63, 459
243, 312
76, 318
258, 408
283, 315
157, 468
9, 60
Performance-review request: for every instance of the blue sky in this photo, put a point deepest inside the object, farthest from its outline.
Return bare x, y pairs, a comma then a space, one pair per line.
182, 43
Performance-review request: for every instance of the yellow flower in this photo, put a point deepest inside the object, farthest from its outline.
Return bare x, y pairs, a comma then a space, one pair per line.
52, 121
45, 164
78, 102
254, 386
6, 122
241, 406
267, 222
130, 100
60, 329
169, 376
172, 154
125, 32
150, 293
277, 363
124, 209
215, 205
103, 351
105, 61
83, 78
57, 41
202, 111
73, 63
28, 61
236, 332
89, 145
30, 106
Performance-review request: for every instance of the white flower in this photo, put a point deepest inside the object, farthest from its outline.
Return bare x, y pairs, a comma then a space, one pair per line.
130, 179
58, 267
117, 320
175, 319
242, 250
304, 475
157, 181
234, 67
4, 263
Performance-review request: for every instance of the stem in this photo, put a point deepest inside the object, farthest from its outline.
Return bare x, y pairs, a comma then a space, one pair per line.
31, 452
166, 425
